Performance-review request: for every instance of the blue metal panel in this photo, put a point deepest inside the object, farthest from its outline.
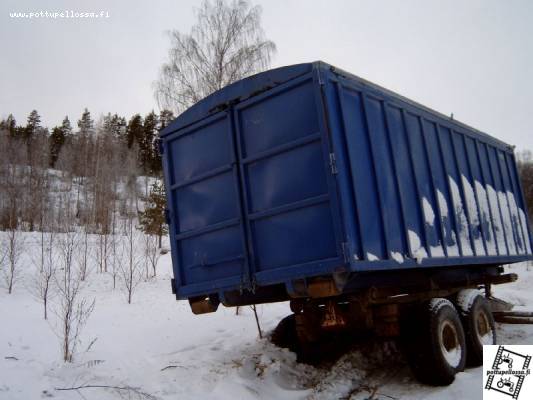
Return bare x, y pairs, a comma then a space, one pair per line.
485, 219
385, 175
462, 232
427, 200
513, 212
308, 170
495, 212
363, 174
517, 188
287, 198
208, 245
444, 209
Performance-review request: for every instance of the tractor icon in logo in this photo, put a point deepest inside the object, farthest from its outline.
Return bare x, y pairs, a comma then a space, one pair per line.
505, 359
506, 383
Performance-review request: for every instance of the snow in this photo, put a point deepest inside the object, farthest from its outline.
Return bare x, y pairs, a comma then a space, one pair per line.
507, 222
428, 212
461, 218
487, 338
419, 253
486, 220
437, 251
436, 304
449, 234
397, 257
519, 222
497, 222
371, 257
159, 347
471, 205
466, 298
523, 219
443, 204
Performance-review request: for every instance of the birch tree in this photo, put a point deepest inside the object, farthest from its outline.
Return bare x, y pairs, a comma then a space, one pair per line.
225, 44
13, 248
42, 286
132, 260
72, 308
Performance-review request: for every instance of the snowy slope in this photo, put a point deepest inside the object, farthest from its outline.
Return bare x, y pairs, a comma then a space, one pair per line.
157, 346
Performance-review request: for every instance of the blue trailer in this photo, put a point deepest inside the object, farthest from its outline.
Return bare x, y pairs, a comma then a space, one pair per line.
307, 183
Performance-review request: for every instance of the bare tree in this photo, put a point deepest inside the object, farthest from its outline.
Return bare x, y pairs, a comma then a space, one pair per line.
42, 287
116, 258
72, 310
130, 200
36, 179
83, 259
226, 44
13, 248
102, 251
151, 253
131, 264
12, 178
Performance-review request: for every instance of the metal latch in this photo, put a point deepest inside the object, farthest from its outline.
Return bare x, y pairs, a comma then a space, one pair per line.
333, 163
345, 252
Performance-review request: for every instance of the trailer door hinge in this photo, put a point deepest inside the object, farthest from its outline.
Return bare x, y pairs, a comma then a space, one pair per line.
345, 252
167, 216
333, 163
320, 80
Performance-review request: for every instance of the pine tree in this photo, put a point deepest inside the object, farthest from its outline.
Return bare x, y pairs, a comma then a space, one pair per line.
152, 219
134, 131
165, 118
57, 140
114, 126
86, 124
34, 123
66, 127
146, 146
118, 126
9, 124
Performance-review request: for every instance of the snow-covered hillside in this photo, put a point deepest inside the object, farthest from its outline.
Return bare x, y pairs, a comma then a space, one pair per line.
156, 348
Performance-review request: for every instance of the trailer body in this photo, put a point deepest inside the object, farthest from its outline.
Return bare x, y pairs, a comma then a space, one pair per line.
308, 172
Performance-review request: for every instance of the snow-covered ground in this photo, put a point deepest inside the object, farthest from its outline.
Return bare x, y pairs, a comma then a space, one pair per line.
157, 347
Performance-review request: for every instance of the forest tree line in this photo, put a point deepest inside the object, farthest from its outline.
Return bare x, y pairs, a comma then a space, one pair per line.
101, 161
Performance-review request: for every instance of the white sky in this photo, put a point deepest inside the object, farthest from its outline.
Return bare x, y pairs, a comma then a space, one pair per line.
472, 58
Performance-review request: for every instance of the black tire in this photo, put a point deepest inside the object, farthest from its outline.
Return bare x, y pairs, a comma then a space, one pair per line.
284, 334
478, 324
435, 342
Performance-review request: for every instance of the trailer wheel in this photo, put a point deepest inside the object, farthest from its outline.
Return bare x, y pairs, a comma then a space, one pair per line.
478, 324
435, 342
284, 334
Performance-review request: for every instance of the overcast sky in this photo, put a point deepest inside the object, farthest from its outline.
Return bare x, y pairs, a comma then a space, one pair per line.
472, 58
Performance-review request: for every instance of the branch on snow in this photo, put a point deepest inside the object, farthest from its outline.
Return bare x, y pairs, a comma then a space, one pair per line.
138, 392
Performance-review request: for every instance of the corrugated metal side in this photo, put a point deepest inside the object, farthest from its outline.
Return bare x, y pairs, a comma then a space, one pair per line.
418, 189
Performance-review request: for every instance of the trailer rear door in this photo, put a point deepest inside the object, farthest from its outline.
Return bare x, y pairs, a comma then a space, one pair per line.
252, 193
